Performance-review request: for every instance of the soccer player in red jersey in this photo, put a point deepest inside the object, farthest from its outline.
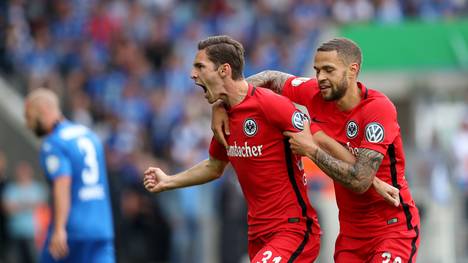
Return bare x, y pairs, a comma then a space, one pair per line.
365, 121
283, 226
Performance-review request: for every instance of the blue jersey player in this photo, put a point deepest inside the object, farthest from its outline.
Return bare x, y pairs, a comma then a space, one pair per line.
72, 157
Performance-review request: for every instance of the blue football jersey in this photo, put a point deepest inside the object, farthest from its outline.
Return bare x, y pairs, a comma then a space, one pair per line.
74, 150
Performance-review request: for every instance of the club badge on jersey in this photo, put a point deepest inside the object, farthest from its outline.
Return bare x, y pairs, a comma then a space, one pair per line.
250, 127
352, 129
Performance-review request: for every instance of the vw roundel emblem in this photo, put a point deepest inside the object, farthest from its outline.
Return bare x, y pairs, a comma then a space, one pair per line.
375, 132
250, 127
298, 120
352, 129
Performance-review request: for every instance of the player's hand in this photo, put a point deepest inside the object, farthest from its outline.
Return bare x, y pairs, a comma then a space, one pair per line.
58, 246
155, 180
388, 192
220, 122
302, 143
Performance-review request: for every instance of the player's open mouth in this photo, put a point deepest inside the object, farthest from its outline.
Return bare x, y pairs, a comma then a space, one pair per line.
202, 86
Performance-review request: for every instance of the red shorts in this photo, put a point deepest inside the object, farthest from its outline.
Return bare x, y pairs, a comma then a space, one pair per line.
284, 246
391, 248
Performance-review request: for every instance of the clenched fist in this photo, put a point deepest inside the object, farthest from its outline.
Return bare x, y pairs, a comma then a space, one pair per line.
155, 180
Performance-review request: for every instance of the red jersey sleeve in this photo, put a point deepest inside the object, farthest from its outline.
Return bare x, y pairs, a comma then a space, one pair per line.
218, 151
314, 128
300, 90
281, 113
380, 125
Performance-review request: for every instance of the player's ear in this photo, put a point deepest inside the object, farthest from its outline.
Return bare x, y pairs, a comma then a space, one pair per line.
224, 70
354, 69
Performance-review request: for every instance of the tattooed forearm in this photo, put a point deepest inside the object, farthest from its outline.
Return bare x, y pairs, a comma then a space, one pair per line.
336, 169
357, 177
269, 79
369, 159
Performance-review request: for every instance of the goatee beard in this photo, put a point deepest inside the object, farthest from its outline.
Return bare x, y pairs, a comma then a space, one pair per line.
39, 131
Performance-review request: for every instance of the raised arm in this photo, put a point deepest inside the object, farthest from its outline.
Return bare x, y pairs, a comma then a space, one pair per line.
155, 180
270, 79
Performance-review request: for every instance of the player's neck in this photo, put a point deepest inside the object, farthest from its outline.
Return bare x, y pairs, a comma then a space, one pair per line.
236, 92
351, 98
53, 120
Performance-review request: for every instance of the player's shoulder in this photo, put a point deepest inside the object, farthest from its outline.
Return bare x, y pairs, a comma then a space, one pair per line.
378, 99
68, 130
373, 94
266, 96
264, 93
301, 87
50, 145
52, 140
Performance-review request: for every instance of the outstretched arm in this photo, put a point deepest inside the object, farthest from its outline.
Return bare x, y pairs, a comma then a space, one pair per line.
155, 180
270, 79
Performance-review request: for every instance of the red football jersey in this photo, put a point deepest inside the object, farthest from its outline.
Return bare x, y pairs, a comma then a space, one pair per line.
271, 177
373, 125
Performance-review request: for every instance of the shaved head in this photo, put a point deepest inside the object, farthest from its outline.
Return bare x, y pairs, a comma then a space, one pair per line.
42, 96
42, 111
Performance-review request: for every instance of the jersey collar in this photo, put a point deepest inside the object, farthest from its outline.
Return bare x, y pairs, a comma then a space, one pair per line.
364, 90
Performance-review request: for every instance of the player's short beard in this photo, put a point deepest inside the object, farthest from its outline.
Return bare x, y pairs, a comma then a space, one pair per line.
39, 130
339, 90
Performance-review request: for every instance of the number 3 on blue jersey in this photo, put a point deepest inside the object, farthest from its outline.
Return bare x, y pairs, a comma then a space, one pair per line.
90, 173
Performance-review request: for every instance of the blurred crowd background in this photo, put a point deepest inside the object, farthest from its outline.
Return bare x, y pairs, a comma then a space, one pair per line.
122, 67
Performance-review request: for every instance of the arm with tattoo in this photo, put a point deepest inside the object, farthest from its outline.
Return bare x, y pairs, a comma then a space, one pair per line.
270, 79
355, 174
357, 177
336, 150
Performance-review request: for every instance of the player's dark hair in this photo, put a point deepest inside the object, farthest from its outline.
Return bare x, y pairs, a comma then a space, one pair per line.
224, 49
347, 50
